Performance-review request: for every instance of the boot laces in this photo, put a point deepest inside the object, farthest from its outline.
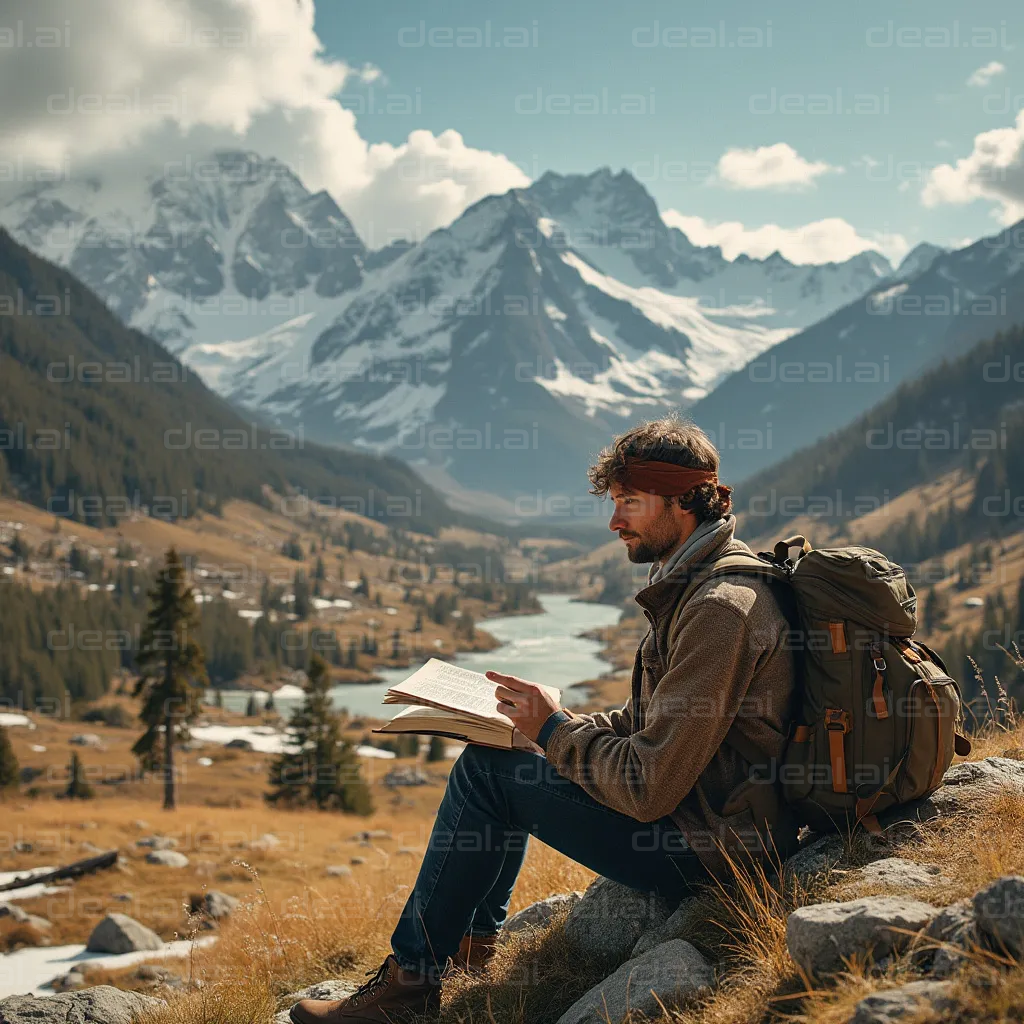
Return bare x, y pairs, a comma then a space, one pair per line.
370, 988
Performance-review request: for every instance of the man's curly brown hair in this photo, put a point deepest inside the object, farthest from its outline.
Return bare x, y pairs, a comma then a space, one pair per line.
669, 439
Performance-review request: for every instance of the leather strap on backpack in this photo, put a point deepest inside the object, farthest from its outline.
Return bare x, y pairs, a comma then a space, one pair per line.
837, 725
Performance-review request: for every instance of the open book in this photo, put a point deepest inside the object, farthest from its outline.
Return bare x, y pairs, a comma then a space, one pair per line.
450, 701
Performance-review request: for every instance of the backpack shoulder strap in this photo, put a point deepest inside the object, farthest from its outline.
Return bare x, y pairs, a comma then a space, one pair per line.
736, 564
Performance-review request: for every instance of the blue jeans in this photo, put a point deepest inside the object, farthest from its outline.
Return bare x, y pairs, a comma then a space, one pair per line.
495, 800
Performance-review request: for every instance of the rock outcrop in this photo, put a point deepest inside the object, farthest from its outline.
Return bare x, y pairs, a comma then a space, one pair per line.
119, 933
678, 925
669, 975
821, 936
896, 1003
218, 905
898, 873
999, 914
333, 988
607, 922
540, 914
167, 858
102, 1004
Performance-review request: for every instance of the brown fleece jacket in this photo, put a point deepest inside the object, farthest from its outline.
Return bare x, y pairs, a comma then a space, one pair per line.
708, 703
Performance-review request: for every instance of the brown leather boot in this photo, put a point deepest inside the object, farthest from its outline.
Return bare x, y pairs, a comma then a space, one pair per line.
475, 953
391, 995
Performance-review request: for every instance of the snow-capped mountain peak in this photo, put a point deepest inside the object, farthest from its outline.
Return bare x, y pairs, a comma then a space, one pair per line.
569, 303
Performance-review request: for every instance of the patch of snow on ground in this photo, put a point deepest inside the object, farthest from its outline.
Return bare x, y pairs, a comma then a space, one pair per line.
262, 740
29, 892
224, 734
7, 719
386, 755
27, 970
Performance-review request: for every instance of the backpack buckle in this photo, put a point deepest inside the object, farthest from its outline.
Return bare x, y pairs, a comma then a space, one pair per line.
836, 720
879, 664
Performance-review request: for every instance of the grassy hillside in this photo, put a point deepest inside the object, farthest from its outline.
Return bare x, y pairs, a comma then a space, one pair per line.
97, 420
967, 414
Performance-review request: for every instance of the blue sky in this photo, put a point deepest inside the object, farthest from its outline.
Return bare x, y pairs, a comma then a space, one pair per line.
817, 128
873, 94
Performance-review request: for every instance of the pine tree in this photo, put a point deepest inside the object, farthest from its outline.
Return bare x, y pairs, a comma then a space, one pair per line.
252, 709
10, 772
935, 610
269, 707
323, 770
435, 752
292, 548
172, 672
301, 606
78, 784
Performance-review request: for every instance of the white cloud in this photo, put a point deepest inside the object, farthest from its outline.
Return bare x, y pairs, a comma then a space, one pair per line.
133, 86
822, 241
994, 170
778, 166
984, 75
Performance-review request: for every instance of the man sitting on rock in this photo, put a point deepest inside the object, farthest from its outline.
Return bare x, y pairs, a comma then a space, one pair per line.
659, 795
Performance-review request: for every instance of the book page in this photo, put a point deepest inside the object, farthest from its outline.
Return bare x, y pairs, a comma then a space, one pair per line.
437, 722
454, 687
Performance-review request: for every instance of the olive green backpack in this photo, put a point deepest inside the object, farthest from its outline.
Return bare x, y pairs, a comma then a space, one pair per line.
878, 717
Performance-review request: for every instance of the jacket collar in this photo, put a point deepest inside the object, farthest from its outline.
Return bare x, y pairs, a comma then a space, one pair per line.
661, 597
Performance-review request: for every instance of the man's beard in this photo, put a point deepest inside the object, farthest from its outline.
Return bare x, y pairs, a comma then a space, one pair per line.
645, 551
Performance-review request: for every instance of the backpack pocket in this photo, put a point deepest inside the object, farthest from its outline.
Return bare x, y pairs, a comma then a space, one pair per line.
933, 710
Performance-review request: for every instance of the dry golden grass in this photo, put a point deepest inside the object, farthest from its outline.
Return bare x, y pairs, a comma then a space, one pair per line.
298, 925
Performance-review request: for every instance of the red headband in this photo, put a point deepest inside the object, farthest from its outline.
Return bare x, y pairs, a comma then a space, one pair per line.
665, 477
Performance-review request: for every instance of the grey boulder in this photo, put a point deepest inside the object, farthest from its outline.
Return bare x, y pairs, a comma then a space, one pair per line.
999, 912
218, 905
815, 858
964, 787
68, 982
896, 1003
330, 989
821, 936
678, 926
337, 871
947, 938
102, 1004
541, 913
609, 919
669, 975
119, 933
896, 872
158, 842
167, 858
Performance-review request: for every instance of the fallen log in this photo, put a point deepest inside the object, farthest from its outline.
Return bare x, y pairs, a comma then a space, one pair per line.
76, 870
